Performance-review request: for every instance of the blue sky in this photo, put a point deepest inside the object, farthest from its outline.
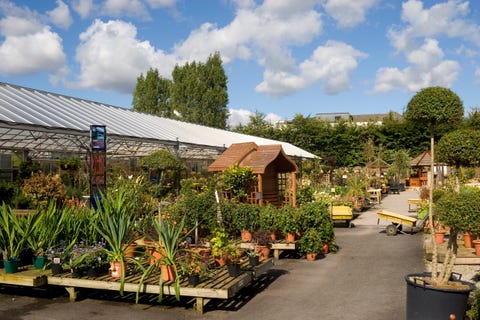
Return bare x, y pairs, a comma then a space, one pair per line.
282, 57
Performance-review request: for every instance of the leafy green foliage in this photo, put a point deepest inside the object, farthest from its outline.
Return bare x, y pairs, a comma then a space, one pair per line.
400, 164
238, 180
433, 106
460, 148
246, 216
199, 92
460, 210
310, 242
164, 169
152, 94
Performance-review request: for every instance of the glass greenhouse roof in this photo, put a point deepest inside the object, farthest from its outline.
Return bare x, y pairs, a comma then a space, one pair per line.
41, 121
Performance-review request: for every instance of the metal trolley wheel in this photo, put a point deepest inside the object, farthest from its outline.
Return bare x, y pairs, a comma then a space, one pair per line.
391, 230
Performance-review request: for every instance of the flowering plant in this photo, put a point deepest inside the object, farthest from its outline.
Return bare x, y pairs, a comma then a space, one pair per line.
59, 254
192, 263
88, 256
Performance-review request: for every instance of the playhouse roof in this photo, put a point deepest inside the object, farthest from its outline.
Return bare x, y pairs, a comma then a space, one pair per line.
249, 154
422, 160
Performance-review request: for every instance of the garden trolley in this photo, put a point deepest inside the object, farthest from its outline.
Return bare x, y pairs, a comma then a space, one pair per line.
398, 221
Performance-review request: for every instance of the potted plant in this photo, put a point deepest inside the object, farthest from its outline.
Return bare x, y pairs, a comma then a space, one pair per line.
170, 234
114, 225
58, 257
246, 219
47, 225
427, 293
89, 258
268, 219
310, 243
253, 258
262, 241
192, 265
232, 253
289, 222
14, 231
219, 240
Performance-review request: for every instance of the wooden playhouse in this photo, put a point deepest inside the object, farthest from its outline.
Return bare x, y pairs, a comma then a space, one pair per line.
276, 172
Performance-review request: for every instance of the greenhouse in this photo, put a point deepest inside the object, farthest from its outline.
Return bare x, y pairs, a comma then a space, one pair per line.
46, 126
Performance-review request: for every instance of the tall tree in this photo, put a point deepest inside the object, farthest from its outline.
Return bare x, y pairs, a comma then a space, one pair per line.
152, 94
199, 92
432, 107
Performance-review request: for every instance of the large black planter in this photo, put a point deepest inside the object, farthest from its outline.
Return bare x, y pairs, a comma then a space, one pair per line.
425, 302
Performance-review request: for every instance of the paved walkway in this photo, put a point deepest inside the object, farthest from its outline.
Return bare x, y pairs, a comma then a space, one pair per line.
364, 280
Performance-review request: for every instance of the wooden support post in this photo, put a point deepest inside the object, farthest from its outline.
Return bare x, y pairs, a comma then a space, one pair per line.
276, 254
200, 303
72, 293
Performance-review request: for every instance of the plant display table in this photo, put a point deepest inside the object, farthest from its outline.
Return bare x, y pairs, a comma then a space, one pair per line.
27, 276
218, 286
281, 245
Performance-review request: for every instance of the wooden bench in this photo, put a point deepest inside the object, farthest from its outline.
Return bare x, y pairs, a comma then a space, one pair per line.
219, 286
344, 213
279, 246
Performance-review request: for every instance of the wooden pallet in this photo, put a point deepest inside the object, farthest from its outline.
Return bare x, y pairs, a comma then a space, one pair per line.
218, 286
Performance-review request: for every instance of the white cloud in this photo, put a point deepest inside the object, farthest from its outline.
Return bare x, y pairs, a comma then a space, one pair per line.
83, 7
427, 69
477, 75
25, 52
111, 57
161, 3
125, 8
331, 64
238, 116
60, 16
443, 19
417, 41
275, 28
13, 26
242, 116
348, 13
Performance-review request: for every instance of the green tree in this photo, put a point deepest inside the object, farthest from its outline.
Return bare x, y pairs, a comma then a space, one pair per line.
431, 107
152, 94
400, 164
460, 148
473, 119
199, 92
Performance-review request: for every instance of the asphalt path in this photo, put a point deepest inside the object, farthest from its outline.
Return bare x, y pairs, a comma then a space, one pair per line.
363, 280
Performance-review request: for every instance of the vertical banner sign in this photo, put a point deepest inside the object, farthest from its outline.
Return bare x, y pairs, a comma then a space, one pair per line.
98, 162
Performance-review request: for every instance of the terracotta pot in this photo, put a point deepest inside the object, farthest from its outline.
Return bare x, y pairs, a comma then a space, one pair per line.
290, 237
325, 248
246, 235
263, 252
116, 268
476, 244
273, 236
168, 273
439, 237
311, 256
467, 240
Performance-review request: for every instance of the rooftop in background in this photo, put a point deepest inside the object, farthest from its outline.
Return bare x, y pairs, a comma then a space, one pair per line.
41, 121
359, 119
